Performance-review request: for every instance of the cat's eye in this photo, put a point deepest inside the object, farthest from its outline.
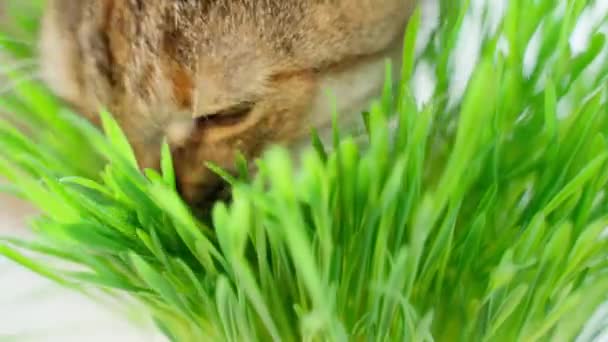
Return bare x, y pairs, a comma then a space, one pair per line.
226, 117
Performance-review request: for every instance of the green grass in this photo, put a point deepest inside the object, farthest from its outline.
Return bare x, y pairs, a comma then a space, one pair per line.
481, 220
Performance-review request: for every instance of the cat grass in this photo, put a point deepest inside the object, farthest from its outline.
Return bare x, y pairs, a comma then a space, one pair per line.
479, 217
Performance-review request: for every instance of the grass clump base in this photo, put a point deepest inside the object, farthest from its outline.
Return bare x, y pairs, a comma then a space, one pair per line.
473, 218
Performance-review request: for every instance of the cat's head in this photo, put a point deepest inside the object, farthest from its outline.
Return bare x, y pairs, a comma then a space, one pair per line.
214, 77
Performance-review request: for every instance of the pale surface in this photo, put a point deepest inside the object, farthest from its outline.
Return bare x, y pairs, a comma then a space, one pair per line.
33, 309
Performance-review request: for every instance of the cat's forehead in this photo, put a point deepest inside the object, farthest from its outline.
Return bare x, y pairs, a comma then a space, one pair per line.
223, 49
220, 27
199, 31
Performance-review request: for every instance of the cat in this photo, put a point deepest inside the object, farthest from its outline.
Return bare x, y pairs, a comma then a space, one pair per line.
215, 77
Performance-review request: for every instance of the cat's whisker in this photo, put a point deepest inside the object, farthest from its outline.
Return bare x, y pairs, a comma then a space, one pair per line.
17, 41
13, 84
19, 65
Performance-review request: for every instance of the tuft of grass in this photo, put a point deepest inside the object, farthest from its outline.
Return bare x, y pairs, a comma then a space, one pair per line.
474, 218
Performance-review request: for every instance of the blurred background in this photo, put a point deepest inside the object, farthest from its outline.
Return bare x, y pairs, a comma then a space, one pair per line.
34, 309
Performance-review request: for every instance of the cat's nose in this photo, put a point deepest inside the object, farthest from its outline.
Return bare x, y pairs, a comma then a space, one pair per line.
202, 194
